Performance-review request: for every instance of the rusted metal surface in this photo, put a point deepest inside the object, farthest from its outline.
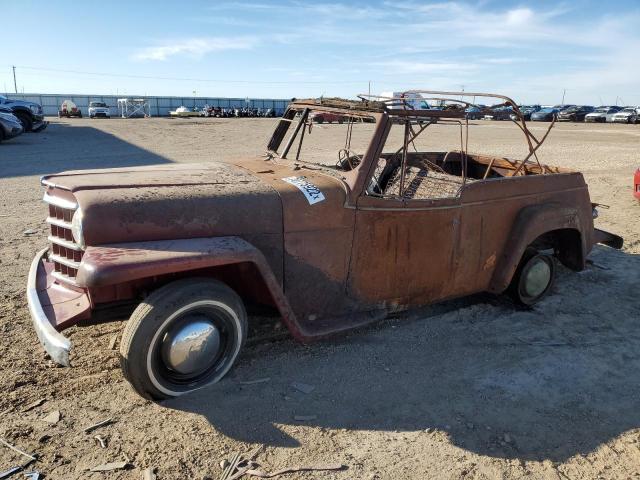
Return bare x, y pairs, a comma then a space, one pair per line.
63, 305
331, 248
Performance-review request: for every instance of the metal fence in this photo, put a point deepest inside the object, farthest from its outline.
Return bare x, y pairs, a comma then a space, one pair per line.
159, 106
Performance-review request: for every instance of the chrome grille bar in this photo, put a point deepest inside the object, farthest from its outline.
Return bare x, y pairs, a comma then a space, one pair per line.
64, 278
64, 243
67, 262
60, 202
59, 223
64, 253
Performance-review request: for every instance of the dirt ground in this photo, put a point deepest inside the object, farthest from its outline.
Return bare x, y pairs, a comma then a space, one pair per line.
470, 389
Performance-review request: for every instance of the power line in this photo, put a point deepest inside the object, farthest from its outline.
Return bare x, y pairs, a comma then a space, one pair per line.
184, 79
228, 81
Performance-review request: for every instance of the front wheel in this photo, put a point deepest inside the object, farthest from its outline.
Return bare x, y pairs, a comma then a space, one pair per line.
533, 277
25, 120
184, 336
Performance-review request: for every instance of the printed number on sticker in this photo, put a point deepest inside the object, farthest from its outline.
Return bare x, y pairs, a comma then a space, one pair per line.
310, 191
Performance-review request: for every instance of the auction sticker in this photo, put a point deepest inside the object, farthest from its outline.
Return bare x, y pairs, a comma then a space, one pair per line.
313, 193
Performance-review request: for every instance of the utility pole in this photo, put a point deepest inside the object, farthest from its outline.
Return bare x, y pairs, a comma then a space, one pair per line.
369, 89
15, 85
563, 94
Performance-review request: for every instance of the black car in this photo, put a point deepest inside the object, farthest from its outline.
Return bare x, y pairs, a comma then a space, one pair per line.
563, 106
498, 112
29, 113
575, 114
526, 111
10, 126
544, 115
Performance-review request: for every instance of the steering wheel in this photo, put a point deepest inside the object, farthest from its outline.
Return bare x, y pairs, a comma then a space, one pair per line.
348, 160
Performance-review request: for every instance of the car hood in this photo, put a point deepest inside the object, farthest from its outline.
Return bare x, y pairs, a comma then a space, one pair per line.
596, 114
623, 114
170, 201
19, 103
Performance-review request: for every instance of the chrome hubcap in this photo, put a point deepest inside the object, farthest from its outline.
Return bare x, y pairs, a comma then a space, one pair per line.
192, 346
538, 278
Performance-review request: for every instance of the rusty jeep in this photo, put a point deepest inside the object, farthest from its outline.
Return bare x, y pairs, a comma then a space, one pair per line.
329, 229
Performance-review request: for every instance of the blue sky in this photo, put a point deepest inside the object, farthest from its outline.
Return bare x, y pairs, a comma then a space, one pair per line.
530, 51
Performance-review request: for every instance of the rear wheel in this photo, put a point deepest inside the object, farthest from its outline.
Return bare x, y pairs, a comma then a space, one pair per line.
533, 277
184, 336
25, 120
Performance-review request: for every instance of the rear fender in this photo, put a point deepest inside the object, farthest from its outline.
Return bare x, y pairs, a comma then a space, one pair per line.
123, 263
531, 223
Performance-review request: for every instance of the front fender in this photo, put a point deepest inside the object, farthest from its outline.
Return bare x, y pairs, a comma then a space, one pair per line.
121, 263
532, 222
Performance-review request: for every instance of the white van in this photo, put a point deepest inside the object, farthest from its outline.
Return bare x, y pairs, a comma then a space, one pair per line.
413, 100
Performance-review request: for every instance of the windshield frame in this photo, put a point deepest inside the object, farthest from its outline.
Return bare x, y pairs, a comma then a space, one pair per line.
289, 139
385, 111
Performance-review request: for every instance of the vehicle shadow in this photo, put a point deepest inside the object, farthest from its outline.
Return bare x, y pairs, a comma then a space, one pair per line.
544, 383
68, 147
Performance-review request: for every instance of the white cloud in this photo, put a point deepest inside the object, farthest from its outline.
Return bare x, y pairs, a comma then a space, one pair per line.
519, 16
523, 49
195, 47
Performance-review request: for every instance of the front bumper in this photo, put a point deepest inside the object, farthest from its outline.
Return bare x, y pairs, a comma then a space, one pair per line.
40, 125
15, 130
53, 307
619, 119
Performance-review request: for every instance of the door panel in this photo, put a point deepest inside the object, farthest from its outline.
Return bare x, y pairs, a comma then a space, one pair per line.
403, 251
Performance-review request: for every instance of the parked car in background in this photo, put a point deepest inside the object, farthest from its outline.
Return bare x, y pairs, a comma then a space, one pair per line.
636, 184
563, 106
29, 113
575, 114
627, 115
475, 112
10, 126
600, 113
526, 111
544, 114
499, 113
183, 111
99, 109
69, 109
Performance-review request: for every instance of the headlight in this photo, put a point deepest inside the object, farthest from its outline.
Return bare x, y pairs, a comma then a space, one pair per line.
76, 228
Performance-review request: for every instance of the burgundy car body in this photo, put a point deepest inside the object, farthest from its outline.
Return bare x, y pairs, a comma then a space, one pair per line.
311, 241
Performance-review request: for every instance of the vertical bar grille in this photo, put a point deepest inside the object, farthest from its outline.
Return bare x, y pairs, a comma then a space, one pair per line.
64, 252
